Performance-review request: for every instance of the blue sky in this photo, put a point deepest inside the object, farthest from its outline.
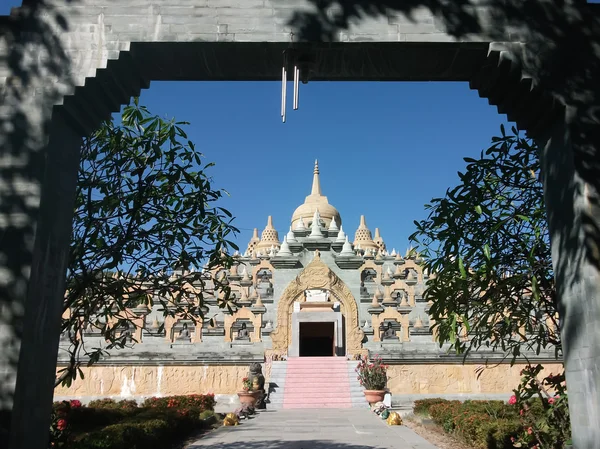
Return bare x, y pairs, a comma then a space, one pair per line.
384, 149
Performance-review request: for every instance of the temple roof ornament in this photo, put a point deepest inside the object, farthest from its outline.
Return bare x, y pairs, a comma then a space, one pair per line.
285, 249
315, 227
378, 240
300, 225
333, 225
363, 236
269, 237
347, 249
341, 237
253, 241
290, 236
313, 201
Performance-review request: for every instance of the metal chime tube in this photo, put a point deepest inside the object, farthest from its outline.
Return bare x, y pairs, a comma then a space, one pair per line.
296, 86
283, 92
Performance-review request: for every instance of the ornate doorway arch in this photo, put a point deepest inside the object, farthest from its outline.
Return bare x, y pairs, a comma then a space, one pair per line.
317, 275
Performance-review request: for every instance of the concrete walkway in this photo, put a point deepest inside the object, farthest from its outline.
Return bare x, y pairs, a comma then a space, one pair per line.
313, 429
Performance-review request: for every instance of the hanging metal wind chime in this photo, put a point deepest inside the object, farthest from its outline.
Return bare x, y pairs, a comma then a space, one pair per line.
300, 64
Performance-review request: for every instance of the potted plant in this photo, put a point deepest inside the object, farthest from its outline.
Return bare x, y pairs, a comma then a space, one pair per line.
248, 396
372, 376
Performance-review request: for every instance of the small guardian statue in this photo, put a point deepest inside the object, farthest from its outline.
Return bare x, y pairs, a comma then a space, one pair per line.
257, 379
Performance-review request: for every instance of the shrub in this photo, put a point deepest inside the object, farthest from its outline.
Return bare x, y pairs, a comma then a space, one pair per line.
207, 415
481, 424
87, 419
442, 414
198, 401
422, 405
149, 429
112, 404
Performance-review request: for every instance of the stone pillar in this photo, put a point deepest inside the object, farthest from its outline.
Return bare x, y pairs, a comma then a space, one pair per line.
571, 174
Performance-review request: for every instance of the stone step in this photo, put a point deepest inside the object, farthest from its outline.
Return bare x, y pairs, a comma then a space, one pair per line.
317, 405
320, 387
308, 394
316, 372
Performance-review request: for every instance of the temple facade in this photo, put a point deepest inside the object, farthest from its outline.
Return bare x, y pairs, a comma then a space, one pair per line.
323, 289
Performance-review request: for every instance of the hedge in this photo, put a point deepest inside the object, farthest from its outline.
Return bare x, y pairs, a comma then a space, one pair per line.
108, 424
481, 424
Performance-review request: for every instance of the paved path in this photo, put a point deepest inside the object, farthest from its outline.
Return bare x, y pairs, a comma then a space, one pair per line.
313, 429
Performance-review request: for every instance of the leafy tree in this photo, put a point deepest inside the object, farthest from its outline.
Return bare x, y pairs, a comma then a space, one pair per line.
487, 244
145, 207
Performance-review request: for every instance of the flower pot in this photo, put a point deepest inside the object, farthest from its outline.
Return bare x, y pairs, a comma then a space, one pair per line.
248, 397
374, 396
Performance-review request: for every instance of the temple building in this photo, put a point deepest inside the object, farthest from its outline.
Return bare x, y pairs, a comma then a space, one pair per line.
327, 288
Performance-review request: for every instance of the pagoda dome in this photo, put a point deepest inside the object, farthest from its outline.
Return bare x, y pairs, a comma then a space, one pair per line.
269, 236
363, 236
313, 202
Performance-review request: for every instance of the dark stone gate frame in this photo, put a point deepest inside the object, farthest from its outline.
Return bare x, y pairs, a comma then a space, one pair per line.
43, 121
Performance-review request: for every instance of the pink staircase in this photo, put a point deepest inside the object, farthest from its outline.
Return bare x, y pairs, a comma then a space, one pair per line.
317, 382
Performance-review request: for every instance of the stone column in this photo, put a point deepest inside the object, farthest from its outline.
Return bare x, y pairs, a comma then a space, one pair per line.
571, 175
40, 331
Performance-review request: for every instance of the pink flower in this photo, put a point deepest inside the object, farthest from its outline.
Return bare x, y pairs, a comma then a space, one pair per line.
529, 430
521, 412
75, 403
61, 424
551, 401
512, 400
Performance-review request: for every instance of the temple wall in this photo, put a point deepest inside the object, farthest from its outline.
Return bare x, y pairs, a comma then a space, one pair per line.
457, 379
422, 379
127, 381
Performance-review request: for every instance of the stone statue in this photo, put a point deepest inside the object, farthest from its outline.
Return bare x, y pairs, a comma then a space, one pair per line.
184, 334
255, 376
389, 333
243, 333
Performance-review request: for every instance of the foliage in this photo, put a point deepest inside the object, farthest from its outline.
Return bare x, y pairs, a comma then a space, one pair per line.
481, 424
107, 403
113, 424
422, 406
372, 374
197, 401
247, 384
144, 208
543, 410
486, 244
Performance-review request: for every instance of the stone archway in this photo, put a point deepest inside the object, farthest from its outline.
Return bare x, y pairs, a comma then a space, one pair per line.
317, 275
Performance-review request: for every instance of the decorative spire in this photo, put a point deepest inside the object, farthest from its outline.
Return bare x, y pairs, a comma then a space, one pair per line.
333, 225
418, 323
290, 236
341, 237
316, 185
258, 302
285, 249
315, 227
300, 226
254, 240
347, 249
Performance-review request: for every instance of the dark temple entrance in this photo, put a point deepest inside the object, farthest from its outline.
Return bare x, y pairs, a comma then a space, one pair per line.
317, 340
